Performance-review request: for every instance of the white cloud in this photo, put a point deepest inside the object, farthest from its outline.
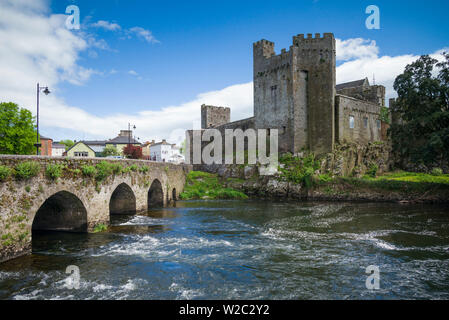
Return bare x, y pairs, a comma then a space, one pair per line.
107, 25
35, 46
356, 48
147, 35
133, 73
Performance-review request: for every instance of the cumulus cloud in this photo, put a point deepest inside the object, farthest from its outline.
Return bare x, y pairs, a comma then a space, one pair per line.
35, 46
356, 48
147, 35
107, 25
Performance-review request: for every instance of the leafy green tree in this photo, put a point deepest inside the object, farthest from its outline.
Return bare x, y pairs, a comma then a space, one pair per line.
17, 130
110, 151
68, 143
422, 135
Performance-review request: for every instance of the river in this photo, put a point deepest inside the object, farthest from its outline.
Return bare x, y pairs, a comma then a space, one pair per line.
245, 250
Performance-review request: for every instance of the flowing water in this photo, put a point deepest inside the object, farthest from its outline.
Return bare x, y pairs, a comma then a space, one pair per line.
245, 250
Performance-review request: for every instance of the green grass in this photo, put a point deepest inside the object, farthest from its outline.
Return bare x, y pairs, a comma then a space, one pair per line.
202, 185
413, 177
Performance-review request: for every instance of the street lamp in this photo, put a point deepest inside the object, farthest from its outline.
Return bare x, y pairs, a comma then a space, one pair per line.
129, 133
47, 92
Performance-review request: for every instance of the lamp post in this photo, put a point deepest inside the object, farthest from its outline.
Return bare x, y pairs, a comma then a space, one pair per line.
47, 92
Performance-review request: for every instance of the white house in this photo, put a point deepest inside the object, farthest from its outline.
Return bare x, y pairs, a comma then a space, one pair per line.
57, 149
165, 152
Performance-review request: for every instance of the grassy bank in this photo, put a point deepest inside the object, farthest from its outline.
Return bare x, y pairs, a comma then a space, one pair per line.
203, 185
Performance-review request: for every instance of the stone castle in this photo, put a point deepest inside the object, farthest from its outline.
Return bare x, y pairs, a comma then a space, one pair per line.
296, 93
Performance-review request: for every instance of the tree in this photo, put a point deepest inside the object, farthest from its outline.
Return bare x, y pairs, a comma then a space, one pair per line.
17, 130
68, 143
132, 152
422, 135
110, 151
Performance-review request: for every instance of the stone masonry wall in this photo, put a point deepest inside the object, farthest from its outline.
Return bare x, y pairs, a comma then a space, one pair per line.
21, 199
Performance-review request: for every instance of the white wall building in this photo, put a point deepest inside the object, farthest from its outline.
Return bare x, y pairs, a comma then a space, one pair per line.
57, 149
165, 152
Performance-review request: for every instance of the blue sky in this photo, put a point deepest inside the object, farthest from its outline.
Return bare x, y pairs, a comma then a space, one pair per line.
201, 47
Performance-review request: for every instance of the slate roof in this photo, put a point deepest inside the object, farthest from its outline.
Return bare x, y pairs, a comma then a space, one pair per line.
122, 140
58, 146
352, 84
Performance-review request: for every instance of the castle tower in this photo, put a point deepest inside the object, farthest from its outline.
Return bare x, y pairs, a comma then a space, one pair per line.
294, 92
212, 116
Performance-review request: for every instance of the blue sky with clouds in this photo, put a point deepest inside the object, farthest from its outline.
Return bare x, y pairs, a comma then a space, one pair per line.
154, 62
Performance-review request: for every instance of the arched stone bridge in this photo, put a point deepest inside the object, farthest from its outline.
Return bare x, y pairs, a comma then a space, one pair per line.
77, 201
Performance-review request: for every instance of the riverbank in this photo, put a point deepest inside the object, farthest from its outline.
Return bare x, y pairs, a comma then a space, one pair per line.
399, 186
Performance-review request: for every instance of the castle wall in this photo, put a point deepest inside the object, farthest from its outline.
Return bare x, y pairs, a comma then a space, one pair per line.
316, 55
212, 116
374, 94
364, 112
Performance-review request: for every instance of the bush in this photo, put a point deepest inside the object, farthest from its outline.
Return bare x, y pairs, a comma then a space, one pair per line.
117, 168
437, 172
144, 169
372, 170
54, 171
100, 228
104, 170
27, 170
299, 170
5, 172
134, 167
88, 171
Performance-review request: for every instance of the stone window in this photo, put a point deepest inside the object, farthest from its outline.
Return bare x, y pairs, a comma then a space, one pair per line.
378, 124
365, 122
351, 122
273, 93
81, 154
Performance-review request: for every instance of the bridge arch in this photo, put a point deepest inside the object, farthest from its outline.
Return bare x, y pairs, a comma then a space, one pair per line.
63, 211
123, 200
155, 194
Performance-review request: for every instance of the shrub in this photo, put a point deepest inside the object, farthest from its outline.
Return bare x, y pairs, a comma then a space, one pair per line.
5, 172
27, 170
104, 170
299, 170
117, 168
134, 167
437, 172
27, 188
88, 171
372, 170
54, 171
144, 169
100, 228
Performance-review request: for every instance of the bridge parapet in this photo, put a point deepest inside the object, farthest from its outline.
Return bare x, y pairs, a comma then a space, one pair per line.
77, 194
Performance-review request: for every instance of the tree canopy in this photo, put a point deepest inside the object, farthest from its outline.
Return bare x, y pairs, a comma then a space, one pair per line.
422, 134
110, 151
68, 143
17, 130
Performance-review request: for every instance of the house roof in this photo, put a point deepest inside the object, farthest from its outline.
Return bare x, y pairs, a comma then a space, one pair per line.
122, 140
58, 146
95, 142
163, 142
353, 84
45, 138
78, 144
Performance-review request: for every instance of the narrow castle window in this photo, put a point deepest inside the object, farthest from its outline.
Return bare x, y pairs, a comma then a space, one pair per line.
273, 93
378, 124
351, 122
365, 122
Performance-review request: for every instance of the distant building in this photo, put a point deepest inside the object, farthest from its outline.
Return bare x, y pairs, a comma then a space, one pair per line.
122, 140
96, 145
165, 152
46, 146
80, 149
146, 149
57, 149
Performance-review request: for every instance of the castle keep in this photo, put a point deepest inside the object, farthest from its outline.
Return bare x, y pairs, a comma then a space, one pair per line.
296, 93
